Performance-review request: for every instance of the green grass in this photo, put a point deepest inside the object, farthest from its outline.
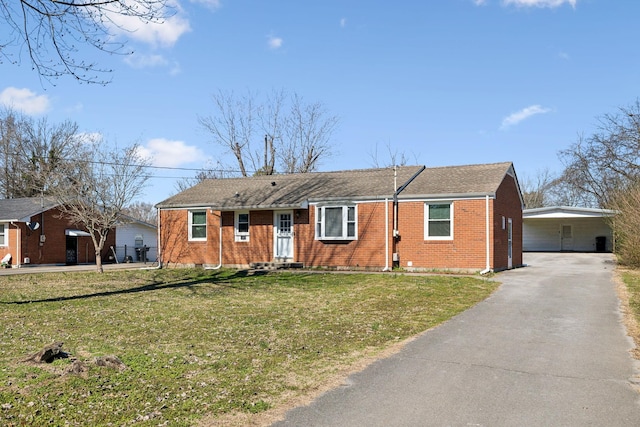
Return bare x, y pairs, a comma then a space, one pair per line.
201, 343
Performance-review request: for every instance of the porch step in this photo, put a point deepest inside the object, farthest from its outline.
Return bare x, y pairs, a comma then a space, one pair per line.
275, 265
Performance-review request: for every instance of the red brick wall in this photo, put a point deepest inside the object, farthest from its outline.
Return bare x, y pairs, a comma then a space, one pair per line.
175, 247
25, 243
507, 205
259, 248
467, 250
368, 251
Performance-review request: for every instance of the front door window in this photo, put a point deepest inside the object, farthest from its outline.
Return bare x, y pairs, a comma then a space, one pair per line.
284, 235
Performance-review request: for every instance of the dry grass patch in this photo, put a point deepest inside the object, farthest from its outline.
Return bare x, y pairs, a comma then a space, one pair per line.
628, 282
201, 345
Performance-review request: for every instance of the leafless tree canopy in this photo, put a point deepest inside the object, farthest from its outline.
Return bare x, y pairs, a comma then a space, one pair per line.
609, 159
34, 154
626, 223
142, 211
52, 33
392, 158
283, 134
108, 181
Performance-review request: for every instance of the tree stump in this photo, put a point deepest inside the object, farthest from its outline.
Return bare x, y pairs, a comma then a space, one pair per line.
110, 362
48, 354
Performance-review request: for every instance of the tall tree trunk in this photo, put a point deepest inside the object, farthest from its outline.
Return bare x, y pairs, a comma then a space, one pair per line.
99, 267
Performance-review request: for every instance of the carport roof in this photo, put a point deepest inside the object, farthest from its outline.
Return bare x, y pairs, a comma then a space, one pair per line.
566, 212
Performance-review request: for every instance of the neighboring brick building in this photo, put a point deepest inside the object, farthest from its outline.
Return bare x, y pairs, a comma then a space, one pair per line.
417, 218
33, 232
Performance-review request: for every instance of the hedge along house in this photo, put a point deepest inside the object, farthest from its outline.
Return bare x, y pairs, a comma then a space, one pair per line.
32, 231
461, 218
566, 229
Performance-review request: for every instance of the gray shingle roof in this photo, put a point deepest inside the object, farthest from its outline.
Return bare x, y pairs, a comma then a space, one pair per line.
467, 180
294, 190
22, 209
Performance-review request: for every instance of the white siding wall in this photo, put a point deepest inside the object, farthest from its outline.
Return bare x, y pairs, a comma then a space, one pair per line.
543, 234
126, 235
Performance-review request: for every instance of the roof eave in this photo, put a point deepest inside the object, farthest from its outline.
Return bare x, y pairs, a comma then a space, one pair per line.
447, 196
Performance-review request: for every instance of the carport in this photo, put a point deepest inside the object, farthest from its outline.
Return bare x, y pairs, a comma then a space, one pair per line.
565, 228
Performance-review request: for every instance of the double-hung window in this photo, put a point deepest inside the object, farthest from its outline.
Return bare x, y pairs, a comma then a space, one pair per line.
3, 235
242, 226
438, 221
336, 223
198, 225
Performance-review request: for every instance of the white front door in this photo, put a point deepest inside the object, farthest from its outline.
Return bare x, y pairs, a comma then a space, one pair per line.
566, 237
510, 244
283, 235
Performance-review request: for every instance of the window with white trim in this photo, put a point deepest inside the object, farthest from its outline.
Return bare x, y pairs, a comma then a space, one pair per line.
3, 236
241, 226
198, 225
336, 223
438, 218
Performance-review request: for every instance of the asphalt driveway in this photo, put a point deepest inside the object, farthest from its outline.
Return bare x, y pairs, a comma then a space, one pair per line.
547, 349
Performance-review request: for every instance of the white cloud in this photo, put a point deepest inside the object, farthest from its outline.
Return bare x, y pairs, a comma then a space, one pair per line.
90, 137
525, 113
164, 34
211, 4
539, 3
275, 42
24, 100
343, 22
480, 2
141, 60
167, 153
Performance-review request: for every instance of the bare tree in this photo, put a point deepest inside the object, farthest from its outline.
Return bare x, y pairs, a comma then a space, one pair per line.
626, 223
282, 134
11, 136
108, 181
233, 126
141, 211
210, 172
393, 157
607, 160
51, 32
34, 154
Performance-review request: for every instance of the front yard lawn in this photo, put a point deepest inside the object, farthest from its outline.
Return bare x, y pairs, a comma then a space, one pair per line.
218, 347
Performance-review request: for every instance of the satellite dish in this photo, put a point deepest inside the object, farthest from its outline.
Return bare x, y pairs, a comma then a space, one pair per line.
33, 225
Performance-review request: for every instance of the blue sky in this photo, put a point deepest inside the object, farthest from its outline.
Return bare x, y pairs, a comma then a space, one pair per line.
446, 82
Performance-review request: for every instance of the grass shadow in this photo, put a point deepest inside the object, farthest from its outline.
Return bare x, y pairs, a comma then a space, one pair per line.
154, 286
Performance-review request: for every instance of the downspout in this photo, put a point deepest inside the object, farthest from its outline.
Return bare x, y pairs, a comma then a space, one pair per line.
386, 235
487, 230
18, 233
217, 267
